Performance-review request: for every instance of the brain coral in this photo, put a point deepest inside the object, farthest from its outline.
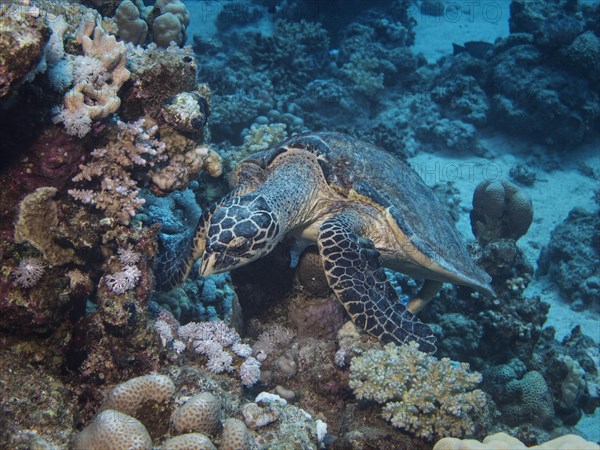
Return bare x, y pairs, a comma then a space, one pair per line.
502, 441
235, 435
113, 430
190, 441
201, 413
424, 395
531, 400
501, 210
127, 397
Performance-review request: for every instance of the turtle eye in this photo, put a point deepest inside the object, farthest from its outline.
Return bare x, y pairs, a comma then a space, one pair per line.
238, 245
237, 242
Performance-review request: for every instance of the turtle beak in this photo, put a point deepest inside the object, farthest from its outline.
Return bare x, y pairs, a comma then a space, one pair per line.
207, 264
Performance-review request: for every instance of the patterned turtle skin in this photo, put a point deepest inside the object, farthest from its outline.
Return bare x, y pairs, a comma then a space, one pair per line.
364, 209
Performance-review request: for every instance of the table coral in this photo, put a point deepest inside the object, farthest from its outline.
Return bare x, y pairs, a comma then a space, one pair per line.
422, 394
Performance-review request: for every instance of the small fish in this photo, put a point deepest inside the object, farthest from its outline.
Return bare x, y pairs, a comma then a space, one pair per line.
477, 49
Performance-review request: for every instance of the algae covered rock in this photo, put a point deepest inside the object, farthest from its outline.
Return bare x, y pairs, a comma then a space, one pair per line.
572, 259
38, 409
24, 35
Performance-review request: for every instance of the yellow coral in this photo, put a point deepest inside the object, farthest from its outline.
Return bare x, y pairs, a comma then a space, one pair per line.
424, 395
502, 441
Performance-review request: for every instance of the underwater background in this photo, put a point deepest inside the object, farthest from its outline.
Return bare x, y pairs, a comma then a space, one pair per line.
121, 122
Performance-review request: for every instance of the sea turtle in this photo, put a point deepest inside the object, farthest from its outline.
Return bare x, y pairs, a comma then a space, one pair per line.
364, 208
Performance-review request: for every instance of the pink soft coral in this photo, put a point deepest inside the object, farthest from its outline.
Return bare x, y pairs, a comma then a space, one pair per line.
28, 272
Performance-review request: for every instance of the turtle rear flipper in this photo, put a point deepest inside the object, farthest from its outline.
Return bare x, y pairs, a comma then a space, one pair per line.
355, 273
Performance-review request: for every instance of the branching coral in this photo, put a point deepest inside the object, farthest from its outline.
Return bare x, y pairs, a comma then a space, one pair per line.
99, 75
364, 74
117, 193
422, 394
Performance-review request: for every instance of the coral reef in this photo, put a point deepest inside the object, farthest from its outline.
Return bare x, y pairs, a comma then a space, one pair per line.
524, 400
187, 112
530, 82
429, 397
203, 413
157, 74
571, 370
287, 55
95, 355
38, 212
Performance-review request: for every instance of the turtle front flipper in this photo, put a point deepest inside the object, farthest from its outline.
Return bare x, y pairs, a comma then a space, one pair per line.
176, 257
355, 273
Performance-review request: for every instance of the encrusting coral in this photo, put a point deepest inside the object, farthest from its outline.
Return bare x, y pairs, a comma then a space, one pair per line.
502, 441
424, 395
37, 224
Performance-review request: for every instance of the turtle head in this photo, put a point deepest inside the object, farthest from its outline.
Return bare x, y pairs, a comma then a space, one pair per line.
240, 230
